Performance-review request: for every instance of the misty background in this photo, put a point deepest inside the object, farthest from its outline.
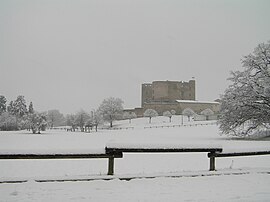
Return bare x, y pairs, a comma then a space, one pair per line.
70, 55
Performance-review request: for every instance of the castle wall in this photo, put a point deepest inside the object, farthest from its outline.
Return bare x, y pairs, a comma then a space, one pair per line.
160, 91
168, 91
162, 107
197, 107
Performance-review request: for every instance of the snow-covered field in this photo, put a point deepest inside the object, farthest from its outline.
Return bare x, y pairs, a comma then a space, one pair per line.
157, 177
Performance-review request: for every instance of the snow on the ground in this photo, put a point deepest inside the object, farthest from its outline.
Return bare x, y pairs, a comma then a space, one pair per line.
252, 187
248, 187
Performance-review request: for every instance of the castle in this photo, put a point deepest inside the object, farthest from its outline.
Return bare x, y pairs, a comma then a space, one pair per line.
167, 91
172, 95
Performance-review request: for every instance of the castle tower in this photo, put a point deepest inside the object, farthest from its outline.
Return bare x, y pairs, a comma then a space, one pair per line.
168, 91
192, 86
146, 93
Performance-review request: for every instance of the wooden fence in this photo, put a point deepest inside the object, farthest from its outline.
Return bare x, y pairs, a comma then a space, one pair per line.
112, 152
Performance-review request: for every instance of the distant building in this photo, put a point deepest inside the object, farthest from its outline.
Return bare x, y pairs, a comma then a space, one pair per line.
167, 91
172, 95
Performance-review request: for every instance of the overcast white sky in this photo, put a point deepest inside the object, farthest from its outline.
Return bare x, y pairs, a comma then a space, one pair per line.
70, 55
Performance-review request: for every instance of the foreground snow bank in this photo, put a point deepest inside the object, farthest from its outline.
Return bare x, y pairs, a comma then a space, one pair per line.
251, 187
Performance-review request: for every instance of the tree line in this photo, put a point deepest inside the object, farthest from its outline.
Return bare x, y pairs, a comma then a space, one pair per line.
18, 116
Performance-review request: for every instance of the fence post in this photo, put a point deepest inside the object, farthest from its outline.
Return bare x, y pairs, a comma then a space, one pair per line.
212, 161
111, 165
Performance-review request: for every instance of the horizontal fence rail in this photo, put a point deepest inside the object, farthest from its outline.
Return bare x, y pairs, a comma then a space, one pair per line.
58, 156
213, 155
115, 150
67, 156
112, 152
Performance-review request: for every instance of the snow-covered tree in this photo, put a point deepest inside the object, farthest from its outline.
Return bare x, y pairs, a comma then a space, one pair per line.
31, 108
111, 109
168, 114
3, 106
173, 112
11, 108
37, 122
18, 109
19, 105
150, 113
245, 105
129, 116
188, 112
207, 112
8, 121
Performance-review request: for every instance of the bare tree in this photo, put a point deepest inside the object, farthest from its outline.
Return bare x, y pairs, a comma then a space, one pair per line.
81, 118
94, 120
55, 118
71, 121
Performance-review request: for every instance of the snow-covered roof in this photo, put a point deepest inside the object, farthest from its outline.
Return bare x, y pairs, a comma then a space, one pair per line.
196, 102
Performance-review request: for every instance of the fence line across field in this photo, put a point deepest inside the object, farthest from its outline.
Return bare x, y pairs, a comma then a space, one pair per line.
116, 151
132, 128
179, 125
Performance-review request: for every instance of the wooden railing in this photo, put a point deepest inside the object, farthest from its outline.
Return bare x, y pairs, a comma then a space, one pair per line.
112, 152
110, 157
120, 150
214, 155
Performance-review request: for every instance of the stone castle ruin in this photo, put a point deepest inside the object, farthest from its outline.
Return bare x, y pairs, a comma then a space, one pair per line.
173, 95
